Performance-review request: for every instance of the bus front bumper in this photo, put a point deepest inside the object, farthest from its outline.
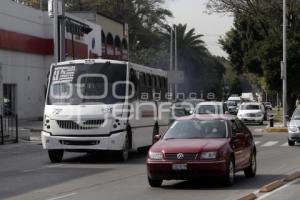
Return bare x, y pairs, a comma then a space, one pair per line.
111, 142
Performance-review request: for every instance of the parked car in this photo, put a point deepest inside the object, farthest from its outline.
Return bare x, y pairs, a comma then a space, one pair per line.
232, 107
211, 107
198, 146
294, 128
252, 112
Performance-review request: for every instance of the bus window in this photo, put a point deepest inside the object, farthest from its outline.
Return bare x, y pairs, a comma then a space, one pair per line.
133, 79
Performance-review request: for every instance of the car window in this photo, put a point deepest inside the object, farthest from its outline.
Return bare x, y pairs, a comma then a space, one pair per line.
188, 129
209, 109
250, 107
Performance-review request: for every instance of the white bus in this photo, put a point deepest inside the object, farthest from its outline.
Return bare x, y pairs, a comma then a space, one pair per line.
103, 105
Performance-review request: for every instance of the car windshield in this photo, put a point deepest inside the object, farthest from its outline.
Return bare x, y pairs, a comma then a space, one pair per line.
231, 103
250, 107
208, 109
296, 115
87, 84
189, 129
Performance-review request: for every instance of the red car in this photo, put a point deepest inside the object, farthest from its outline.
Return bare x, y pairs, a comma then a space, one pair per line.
198, 146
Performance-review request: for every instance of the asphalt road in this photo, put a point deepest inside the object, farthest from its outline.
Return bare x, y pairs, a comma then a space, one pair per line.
26, 173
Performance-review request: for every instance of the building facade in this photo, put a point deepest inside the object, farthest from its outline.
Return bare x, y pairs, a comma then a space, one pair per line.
26, 53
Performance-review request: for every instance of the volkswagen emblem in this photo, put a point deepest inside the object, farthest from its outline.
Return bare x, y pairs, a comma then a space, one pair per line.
180, 156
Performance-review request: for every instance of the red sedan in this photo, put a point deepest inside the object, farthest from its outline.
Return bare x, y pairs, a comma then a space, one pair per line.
198, 146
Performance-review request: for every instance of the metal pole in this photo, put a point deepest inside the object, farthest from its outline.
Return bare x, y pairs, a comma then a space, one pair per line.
171, 58
176, 59
62, 25
55, 31
17, 129
284, 84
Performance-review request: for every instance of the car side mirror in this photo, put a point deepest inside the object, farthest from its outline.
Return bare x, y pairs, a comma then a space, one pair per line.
240, 136
157, 137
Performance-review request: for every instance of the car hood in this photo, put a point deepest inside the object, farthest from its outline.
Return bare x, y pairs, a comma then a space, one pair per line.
188, 145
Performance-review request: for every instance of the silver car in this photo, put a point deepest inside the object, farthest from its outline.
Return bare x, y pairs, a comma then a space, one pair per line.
294, 128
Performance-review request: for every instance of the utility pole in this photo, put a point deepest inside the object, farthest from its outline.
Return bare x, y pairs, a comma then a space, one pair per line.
62, 28
176, 59
284, 70
59, 30
55, 31
171, 59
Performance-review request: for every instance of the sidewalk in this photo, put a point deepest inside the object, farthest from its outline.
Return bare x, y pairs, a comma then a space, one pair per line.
278, 128
30, 130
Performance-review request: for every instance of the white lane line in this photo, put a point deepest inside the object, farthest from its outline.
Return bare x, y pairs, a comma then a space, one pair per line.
257, 142
277, 190
269, 144
42, 167
63, 196
284, 145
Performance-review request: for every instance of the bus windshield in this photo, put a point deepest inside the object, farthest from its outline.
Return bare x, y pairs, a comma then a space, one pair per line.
87, 84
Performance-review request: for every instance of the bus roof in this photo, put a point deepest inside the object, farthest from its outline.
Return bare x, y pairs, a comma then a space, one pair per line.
133, 65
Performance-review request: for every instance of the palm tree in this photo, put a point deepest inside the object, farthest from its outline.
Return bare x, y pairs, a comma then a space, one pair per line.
189, 42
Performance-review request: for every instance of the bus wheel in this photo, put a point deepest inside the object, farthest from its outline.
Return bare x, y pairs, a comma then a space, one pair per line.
56, 155
124, 153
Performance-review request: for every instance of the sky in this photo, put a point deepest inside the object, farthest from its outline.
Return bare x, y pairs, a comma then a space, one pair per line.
193, 13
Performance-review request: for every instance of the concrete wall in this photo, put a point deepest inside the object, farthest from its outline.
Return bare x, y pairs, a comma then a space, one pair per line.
27, 70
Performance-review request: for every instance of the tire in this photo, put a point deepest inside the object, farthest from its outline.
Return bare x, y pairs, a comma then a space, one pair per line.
56, 156
261, 123
123, 154
250, 171
291, 143
230, 174
154, 183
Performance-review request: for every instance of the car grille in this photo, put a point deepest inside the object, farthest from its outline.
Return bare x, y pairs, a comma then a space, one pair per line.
186, 156
89, 124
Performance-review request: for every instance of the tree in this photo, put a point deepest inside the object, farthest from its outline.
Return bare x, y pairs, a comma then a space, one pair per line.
254, 44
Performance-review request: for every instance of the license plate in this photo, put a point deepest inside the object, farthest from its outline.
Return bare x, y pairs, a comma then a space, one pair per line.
179, 167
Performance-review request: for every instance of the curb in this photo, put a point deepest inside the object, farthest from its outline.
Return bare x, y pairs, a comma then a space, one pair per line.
250, 196
276, 130
271, 186
292, 177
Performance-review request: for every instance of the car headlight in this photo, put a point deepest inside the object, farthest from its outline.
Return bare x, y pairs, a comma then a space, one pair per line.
293, 129
155, 155
209, 155
46, 122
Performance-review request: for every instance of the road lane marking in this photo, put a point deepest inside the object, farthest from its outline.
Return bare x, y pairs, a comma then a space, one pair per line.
269, 144
284, 145
257, 142
42, 167
63, 196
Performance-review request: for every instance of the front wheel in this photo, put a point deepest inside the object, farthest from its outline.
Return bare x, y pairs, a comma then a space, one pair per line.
291, 143
56, 155
250, 171
124, 153
230, 174
154, 183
